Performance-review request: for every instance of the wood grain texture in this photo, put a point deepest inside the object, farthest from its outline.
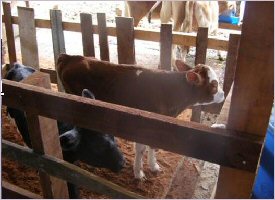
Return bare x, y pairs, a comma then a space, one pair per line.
200, 58
103, 37
57, 39
188, 39
45, 143
125, 40
11, 191
231, 62
62, 169
27, 33
87, 34
7, 18
165, 46
190, 139
252, 96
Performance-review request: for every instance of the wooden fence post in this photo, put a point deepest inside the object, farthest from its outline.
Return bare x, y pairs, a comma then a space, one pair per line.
103, 37
252, 95
45, 140
165, 46
229, 71
86, 23
9, 32
27, 33
58, 39
125, 40
201, 51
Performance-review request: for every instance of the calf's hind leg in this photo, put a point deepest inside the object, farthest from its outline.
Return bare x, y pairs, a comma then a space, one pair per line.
152, 161
138, 164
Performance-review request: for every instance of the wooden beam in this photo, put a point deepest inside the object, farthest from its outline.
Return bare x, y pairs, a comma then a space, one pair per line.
7, 18
201, 51
165, 46
11, 191
45, 143
188, 39
57, 39
186, 138
103, 37
27, 33
230, 26
252, 95
87, 34
64, 170
125, 40
231, 62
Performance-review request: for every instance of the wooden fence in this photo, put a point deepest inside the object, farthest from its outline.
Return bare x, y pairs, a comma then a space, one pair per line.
229, 148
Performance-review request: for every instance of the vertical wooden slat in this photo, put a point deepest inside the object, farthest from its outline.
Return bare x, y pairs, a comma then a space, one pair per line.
58, 39
229, 73
125, 40
252, 95
9, 32
45, 140
87, 34
103, 37
27, 33
201, 51
165, 46
231, 62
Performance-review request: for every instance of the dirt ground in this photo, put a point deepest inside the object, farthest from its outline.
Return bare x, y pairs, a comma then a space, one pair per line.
147, 55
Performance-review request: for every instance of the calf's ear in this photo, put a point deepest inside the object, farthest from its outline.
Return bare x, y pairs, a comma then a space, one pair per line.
87, 93
193, 78
182, 66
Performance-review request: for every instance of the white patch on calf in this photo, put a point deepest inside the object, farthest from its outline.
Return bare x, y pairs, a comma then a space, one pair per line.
219, 96
138, 72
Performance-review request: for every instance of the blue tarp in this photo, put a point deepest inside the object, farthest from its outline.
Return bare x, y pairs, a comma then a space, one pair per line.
264, 183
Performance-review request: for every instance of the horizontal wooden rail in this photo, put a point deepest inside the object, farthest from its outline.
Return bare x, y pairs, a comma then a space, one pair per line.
224, 147
187, 39
64, 170
11, 191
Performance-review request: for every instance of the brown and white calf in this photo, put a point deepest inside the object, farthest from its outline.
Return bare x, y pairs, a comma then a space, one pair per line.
163, 92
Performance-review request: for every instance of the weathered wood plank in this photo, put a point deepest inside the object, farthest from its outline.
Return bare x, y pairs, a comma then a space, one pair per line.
11, 191
125, 40
52, 73
62, 169
231, 62
165, 46
27, 33
252, 95
57, 39
45, 143
103, 36
7, 18
190, 139
188, 39
200, 58
87, 34
230, 26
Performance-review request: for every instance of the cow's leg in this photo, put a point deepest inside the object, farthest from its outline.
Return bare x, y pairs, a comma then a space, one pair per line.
152, 161
138, 164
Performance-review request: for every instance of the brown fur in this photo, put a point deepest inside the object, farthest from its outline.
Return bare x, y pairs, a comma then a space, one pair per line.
157, 91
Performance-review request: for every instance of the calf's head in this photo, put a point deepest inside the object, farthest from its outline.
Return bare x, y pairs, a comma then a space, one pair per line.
91, 147
204, 82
